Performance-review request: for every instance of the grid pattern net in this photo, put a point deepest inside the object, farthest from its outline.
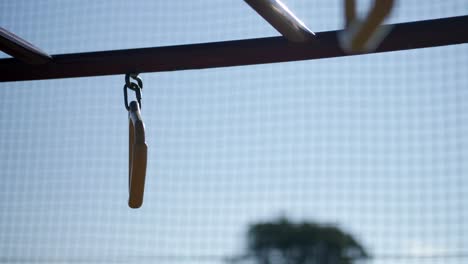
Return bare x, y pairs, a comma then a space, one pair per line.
374, 144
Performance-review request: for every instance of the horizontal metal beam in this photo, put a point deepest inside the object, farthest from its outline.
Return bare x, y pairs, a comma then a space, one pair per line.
404, 36
21, 49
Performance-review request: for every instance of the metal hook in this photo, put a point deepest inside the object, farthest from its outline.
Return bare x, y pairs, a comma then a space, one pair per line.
135, 77
364, 35
138, 155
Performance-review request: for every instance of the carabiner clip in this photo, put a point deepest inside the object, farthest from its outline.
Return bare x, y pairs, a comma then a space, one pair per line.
134, 87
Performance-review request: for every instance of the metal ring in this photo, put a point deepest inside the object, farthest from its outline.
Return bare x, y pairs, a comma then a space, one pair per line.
135, 77
138, 97
134, 87
126, 97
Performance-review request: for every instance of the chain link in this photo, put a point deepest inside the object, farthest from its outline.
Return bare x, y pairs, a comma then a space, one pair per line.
134, 86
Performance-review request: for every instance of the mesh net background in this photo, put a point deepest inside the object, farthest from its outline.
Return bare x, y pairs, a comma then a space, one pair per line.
375, 144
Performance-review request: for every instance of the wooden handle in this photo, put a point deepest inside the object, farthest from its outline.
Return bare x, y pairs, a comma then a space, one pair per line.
138, 155
363, 35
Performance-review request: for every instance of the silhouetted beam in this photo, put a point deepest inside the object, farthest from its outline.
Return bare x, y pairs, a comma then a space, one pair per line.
404, 36
21, 49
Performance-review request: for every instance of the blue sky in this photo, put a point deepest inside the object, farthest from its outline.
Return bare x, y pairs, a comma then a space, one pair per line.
375, 144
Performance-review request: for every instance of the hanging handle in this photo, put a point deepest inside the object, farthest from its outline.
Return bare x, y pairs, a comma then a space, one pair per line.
138, 155
364, 35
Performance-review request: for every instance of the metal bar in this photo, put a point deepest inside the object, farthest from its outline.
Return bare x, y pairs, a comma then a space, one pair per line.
282, 19
404, 36
21, 49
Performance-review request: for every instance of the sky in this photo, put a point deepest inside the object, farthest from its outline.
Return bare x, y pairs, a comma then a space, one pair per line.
375, 144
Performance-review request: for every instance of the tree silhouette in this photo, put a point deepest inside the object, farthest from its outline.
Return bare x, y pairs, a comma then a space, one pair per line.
284, 242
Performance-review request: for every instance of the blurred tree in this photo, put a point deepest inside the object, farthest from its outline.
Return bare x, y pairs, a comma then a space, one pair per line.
284, 242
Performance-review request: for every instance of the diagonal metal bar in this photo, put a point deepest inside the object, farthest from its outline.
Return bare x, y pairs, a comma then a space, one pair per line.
282, 19
404, 36
21, 49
